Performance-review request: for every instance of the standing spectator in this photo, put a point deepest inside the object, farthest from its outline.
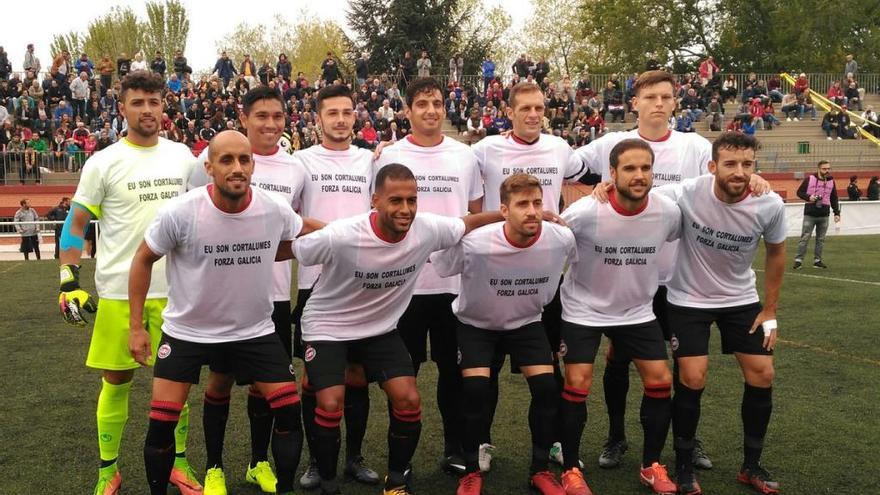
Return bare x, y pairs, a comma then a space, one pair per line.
123, 65
105, 71
456, 67
542, 68
851, 67
61, 68
265, 74
708, 69
873, 191
139, 63
224, 68
329, 69
79, 92
31, 62
488, 68
362, 70
158, 64
84, 64
424, 65
283, 67
248, 71
820, 194
521, 66
852, 190
181, 68
30, 239
59, 214
5, 66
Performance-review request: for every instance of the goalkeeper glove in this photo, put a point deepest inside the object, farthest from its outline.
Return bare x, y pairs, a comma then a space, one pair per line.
72, 299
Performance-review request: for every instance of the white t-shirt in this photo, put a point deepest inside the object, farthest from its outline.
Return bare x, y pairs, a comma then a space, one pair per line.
548, 159
448, 178
505, 286
124, 186
367, 282
718, 244
277, 174
218, 264
615, 278
337, 185
681, 155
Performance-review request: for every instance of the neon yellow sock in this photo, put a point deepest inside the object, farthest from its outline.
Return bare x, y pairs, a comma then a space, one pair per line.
112, 414
181, 431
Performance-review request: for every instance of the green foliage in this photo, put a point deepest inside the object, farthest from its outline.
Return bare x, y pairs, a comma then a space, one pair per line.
167, 27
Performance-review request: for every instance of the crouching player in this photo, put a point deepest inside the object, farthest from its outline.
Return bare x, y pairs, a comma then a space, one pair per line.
221, 241
610, 291
509, 272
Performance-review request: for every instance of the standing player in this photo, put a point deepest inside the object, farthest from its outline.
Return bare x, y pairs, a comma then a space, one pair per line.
225, 236
609, 291
677, 156
449, 185
547, 157
714, 283
370, 265
337, 184
123, 187
509, 272
274, 171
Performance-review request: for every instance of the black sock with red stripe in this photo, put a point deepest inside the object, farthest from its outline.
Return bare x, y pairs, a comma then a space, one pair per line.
449, 403
655, 414
404, 431
542, 413
357, 411
325, 443
573, 417
260, 417
287, 437
474, 391
214, 416
757, 406
159, 444
309, 403
685, 418
615, 385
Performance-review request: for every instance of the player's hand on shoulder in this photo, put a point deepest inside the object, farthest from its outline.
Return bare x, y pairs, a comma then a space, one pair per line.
759, 185
549, 216
73, 300
139, 345
381, 146
601, 190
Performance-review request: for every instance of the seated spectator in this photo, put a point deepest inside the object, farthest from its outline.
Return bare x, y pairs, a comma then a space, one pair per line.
174, 84
852, 190
596, 124
805, 104
62, 110
760, 91
475, 129
735, 125
370, 134
693, 104
91, 145
684, 122
359, 141
769, 115
871, 122
35, 148
756, 111
612, 99
74, 155
774, 86
801, 84
847, 128
853, 97
728, 89
790, 107
831, 124
835, 94
749, 126
873, 192
715, 114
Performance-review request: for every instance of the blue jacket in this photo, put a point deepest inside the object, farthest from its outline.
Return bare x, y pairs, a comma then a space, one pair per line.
224, 68
488, 68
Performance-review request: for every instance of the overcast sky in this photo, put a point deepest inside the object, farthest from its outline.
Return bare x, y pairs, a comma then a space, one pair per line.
206, 25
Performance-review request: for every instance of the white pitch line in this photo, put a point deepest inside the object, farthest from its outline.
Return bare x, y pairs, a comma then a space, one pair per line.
866, 282
10, 268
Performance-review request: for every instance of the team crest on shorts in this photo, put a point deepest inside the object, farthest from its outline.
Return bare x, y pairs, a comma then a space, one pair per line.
310, 353
292, 371
458, 356
164, 351
673, 343
563, 349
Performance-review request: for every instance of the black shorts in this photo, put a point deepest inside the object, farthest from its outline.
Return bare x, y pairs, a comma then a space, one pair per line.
661, 311
281, 317
552, 320
690, 330
296, 318
580, 343
383, 357
430, 314
527, 346
261, 359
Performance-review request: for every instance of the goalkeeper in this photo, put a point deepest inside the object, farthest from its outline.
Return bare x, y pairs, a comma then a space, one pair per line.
123, 186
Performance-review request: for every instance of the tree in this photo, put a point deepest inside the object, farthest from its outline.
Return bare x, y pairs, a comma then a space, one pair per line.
482, 33
556, 38
167, 27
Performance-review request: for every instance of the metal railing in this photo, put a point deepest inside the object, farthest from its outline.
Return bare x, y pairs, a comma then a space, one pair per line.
28, 166
45, 227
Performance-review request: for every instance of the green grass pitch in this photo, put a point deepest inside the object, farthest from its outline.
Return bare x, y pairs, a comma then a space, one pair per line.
825, 421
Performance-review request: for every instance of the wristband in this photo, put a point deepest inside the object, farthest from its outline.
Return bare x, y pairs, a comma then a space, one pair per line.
769, 326
69, 277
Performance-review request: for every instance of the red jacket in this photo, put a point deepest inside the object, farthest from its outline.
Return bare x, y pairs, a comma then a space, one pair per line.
801, 85
704, 68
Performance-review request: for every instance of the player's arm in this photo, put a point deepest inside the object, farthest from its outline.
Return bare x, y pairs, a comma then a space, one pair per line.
285, 251
477, 220
72, 299
759, 185
310, 225
139, 277
476, 206
774, 269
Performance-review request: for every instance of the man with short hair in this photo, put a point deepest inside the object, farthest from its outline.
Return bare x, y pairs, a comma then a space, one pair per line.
337, 182
329, 69
722, 224
819, 192
224, 68
195, 233
610, 291
449, 185
58, 214
79, 92
158, 64
369, 266
124, 186
30, 232
509, 272
31, 62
